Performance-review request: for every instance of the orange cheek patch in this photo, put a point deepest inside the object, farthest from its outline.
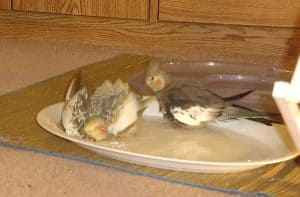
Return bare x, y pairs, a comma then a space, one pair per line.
101, 129
159, 82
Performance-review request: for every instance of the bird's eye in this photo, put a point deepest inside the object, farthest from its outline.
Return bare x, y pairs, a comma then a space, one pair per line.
152, 78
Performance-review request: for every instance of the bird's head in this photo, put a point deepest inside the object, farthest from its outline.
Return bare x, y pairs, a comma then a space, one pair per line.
96, 128
156, 78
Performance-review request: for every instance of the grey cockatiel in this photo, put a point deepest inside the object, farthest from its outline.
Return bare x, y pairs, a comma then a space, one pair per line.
110, 109
189, 103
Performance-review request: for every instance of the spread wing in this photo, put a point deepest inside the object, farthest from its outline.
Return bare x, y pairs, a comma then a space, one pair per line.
183, 99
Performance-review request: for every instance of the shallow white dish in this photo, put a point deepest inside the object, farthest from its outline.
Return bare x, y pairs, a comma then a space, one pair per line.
222, 147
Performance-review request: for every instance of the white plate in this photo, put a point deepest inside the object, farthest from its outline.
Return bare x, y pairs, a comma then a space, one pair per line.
222, 147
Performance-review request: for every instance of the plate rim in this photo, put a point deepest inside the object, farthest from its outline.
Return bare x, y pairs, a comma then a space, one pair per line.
165, 159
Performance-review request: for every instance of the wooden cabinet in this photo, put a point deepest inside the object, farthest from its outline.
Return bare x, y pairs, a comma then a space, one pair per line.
134, 9
282, 13
245, 12
5, 4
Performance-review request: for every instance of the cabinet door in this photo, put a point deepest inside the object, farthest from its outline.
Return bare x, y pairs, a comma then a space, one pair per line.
135, 9
246, 12
5, 4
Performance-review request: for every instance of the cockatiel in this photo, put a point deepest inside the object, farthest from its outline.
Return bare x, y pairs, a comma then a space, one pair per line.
111, 109
116, 104
189, 103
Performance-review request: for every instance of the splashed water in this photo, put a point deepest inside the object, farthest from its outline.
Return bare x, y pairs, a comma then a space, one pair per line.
213, 143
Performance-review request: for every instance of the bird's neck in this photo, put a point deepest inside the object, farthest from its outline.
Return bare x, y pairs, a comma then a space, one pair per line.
167, 79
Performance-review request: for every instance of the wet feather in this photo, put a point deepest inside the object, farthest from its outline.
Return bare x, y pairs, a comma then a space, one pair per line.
189, 103
112, 106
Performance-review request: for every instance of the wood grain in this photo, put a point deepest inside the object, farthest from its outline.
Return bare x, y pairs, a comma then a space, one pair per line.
257, 45
19, 109
5, 4
134, 9
246, 12
154, 10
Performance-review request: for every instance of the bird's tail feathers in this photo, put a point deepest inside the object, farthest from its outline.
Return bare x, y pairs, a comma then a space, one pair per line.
238, 96
266, 118
73, 86
269, 118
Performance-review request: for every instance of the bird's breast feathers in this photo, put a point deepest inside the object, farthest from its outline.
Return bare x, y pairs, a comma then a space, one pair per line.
194, 115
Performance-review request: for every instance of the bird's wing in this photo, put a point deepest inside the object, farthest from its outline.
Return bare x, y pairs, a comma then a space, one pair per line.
75, 112
193, 97
107, 99
186, 94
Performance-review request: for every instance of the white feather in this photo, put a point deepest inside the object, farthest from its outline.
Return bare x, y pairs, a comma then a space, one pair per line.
128, 115
152, 109
194, 115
